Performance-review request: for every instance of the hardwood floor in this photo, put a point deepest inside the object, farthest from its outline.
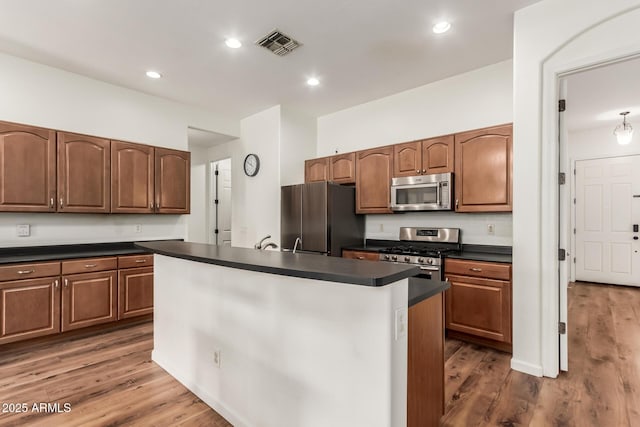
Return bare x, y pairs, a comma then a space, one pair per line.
108, 380
601, 389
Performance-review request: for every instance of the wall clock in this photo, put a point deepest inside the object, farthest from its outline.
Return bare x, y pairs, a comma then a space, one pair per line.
251, 165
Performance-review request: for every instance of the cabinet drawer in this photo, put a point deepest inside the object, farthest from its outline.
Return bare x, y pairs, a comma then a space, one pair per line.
132, 261
29, 271
371, 256
87, 265
490, 270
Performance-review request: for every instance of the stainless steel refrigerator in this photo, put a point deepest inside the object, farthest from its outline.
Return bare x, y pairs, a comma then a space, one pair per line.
321, 216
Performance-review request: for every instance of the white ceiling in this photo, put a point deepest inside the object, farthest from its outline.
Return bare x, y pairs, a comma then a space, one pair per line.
596, 97
360, 50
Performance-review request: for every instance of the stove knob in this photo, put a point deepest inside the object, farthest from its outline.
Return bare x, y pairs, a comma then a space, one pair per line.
430, 261
407, 259
420, 260
394, 258
386, 257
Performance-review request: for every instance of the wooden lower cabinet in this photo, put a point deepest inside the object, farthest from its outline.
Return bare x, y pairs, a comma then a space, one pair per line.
477, 306
135, 292
425, 363
371, 256
29, 308
89, 299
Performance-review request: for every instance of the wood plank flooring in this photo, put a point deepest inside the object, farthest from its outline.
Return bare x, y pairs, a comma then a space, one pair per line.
110, 380
601, 389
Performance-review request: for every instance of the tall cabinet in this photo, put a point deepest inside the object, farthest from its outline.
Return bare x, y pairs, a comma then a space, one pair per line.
27, 168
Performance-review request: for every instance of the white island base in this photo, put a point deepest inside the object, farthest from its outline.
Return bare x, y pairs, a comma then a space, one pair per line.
294, 352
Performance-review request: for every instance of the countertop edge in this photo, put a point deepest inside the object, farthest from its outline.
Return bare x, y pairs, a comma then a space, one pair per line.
422, 289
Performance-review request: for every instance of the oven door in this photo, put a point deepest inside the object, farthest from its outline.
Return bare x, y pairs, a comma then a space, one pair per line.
430, 273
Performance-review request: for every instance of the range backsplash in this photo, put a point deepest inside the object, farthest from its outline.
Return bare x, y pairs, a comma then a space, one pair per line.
474, 226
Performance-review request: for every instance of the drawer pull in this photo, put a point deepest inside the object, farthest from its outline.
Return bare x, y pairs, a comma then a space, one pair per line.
26, 271
90, 265
55, 284
141, 260
360, 257
476, 269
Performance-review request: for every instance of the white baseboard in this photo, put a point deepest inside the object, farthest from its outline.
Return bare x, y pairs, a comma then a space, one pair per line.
228, 414
527, 368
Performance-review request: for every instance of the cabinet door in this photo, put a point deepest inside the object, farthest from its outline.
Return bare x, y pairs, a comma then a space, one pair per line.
371, 256
132, 175
342, 168
84, 183
437, 155
483, 170
29, 308
135, 292
27, 169
89, 299
407, 159
316, 170
480, 307
373, 180
173, 180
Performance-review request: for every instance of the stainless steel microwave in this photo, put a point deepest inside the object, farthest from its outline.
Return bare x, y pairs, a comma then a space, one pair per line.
422, 193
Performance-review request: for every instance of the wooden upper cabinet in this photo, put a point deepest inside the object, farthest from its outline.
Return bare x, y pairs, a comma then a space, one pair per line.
407, 159
316, 170
132, 176
438, 155
373, 180
342, 168
84, 183
27, 168
484, 169
434, 155
172, 181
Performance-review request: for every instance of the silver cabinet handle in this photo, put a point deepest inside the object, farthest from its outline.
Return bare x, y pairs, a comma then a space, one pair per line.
476, 269
51, 202
424, 171
26, 271
66, 283
417, 170
61, 203
90, 265
150, 205
55, 284
360, 257
456, 204
141, 260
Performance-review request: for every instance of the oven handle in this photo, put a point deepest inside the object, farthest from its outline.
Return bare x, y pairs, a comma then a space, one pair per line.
424, 267
438, 191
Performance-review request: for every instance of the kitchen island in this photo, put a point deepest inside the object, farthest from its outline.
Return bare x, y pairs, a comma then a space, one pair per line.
279, 339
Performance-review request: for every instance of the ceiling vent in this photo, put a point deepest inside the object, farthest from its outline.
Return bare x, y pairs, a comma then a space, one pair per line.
278, 43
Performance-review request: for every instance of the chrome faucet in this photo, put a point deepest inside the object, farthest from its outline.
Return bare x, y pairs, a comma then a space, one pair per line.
270, 245
259, 244
295, 245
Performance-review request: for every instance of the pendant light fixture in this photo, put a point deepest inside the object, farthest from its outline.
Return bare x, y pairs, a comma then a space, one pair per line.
624, 131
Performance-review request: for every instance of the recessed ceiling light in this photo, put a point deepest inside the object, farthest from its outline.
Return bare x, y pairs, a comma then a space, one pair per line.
153, 74
233, 43
313, 81
441, 27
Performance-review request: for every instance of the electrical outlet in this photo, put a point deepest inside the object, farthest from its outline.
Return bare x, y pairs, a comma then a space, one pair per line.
401, 323
491, 229
23, 230
138, 228
216, 358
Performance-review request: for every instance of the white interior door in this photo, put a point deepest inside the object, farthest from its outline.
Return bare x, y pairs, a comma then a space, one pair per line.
221, 202
606, 210
564, 225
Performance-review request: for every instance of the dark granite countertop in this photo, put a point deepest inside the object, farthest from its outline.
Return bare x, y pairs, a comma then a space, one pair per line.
309, 266
484, 253
421, 289
56, 252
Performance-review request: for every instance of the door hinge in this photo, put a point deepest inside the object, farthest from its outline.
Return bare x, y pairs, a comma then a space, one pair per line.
574, 231
574, 260
215, 202
562, 105
216, 173
574, 200
562, 254
562, 178
216, 231
562, 328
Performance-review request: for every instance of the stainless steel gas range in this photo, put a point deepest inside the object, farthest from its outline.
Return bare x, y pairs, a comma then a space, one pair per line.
425, 247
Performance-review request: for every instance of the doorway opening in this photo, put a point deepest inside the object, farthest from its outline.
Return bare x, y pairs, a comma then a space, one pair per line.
220, 202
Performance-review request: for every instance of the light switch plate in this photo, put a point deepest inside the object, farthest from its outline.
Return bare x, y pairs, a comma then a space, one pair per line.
402, 323
23, 230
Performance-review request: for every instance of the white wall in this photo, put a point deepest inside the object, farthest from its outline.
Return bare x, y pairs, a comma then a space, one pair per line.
197, 221
598, 143
297, 144
550, 37
43, 96
476, 99
472, 100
